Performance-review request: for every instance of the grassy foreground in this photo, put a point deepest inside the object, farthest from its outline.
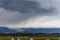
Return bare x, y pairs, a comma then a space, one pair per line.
28, 38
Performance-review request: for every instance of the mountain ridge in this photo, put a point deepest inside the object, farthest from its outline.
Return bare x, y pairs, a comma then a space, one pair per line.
29, 30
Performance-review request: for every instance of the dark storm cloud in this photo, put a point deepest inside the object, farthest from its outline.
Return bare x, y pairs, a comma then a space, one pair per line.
16, 11
24, 6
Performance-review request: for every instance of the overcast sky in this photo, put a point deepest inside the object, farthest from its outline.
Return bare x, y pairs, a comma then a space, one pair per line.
30, 13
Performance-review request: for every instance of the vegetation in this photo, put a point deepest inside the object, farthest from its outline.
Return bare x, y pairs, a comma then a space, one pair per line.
27, 36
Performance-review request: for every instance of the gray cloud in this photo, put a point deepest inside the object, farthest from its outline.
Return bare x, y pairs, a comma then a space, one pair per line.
24, 6
17, 11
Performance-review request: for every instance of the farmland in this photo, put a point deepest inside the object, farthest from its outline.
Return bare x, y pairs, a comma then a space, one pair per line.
28, 38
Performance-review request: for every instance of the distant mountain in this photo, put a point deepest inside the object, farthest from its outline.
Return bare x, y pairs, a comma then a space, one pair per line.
40, 30
29, 30
6, 30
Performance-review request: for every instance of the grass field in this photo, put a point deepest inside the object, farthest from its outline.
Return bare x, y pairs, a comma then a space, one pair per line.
28, 38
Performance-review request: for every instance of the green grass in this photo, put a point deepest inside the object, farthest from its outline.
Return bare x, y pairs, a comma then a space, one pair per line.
28, 38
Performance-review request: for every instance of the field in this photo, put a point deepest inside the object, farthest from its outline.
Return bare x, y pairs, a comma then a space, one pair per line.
27, 38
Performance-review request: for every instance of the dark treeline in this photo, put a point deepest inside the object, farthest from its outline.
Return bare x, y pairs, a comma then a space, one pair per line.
31, 34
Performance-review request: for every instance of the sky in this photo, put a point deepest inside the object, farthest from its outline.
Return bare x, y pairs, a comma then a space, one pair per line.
30, 13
